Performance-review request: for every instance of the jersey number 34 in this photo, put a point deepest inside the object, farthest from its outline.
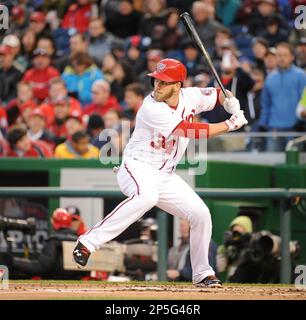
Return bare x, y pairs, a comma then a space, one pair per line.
160, 142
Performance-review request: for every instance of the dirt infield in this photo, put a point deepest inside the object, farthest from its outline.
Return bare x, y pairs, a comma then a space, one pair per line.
118, 291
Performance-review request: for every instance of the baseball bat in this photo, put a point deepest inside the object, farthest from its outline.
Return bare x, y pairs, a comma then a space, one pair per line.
188, 23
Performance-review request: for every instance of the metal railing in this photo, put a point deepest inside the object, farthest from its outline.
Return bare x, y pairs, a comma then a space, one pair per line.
282, 195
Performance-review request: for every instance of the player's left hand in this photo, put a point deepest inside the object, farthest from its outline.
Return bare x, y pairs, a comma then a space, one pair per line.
236, 121
231, 105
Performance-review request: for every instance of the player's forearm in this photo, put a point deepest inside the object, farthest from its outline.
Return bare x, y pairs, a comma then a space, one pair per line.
215, 129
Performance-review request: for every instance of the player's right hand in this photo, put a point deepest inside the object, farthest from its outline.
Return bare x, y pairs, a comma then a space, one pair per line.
231, 105
236, 121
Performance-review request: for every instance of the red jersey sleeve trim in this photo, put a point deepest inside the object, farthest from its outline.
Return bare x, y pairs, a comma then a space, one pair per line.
218, 93
195, 130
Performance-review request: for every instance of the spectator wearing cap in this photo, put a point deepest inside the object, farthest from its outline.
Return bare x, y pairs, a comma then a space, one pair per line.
37, 127
102, 100
74, 123
58, 92
38, 24
47, 44
134, 53
123, 21
270, 60
49, 262
100, 40
280, 96
19, 20
9, 74
78, 42
18, 109
258, 20
21, 145
78, 146
41, 74
58, 127
80, 76
78, 15
153, 56
13, 42
300, 53
77, 223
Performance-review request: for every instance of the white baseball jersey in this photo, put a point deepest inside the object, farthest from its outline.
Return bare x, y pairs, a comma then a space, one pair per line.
152, 140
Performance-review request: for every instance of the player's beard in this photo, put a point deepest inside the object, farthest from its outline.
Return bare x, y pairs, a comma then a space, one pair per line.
164, 97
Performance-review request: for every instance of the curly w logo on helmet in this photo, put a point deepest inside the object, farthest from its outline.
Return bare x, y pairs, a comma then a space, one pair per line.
161, 66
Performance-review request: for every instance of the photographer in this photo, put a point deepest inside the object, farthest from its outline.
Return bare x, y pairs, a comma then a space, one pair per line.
49, 263
251, 257
236, 241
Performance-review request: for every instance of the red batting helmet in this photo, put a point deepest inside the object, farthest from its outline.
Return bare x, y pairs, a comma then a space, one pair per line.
61, 218
169, 70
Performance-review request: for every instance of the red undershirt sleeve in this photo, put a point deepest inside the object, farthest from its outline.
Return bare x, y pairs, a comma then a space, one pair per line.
218, 93
192, 130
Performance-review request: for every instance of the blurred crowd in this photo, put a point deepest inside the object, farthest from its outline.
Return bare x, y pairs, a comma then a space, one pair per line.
74, 73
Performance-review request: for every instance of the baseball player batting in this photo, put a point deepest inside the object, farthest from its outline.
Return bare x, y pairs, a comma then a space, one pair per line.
147, 173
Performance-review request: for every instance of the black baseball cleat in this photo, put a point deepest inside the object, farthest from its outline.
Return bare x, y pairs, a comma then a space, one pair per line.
81, 254
209, 282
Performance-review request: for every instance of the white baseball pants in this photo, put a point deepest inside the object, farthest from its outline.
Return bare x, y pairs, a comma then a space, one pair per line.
147, 187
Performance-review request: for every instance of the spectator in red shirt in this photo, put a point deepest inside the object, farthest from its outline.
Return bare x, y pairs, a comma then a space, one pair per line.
102, 100
58, 127
41, 74
57, 92
78, 16
21, 145
24, 100
36, 123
